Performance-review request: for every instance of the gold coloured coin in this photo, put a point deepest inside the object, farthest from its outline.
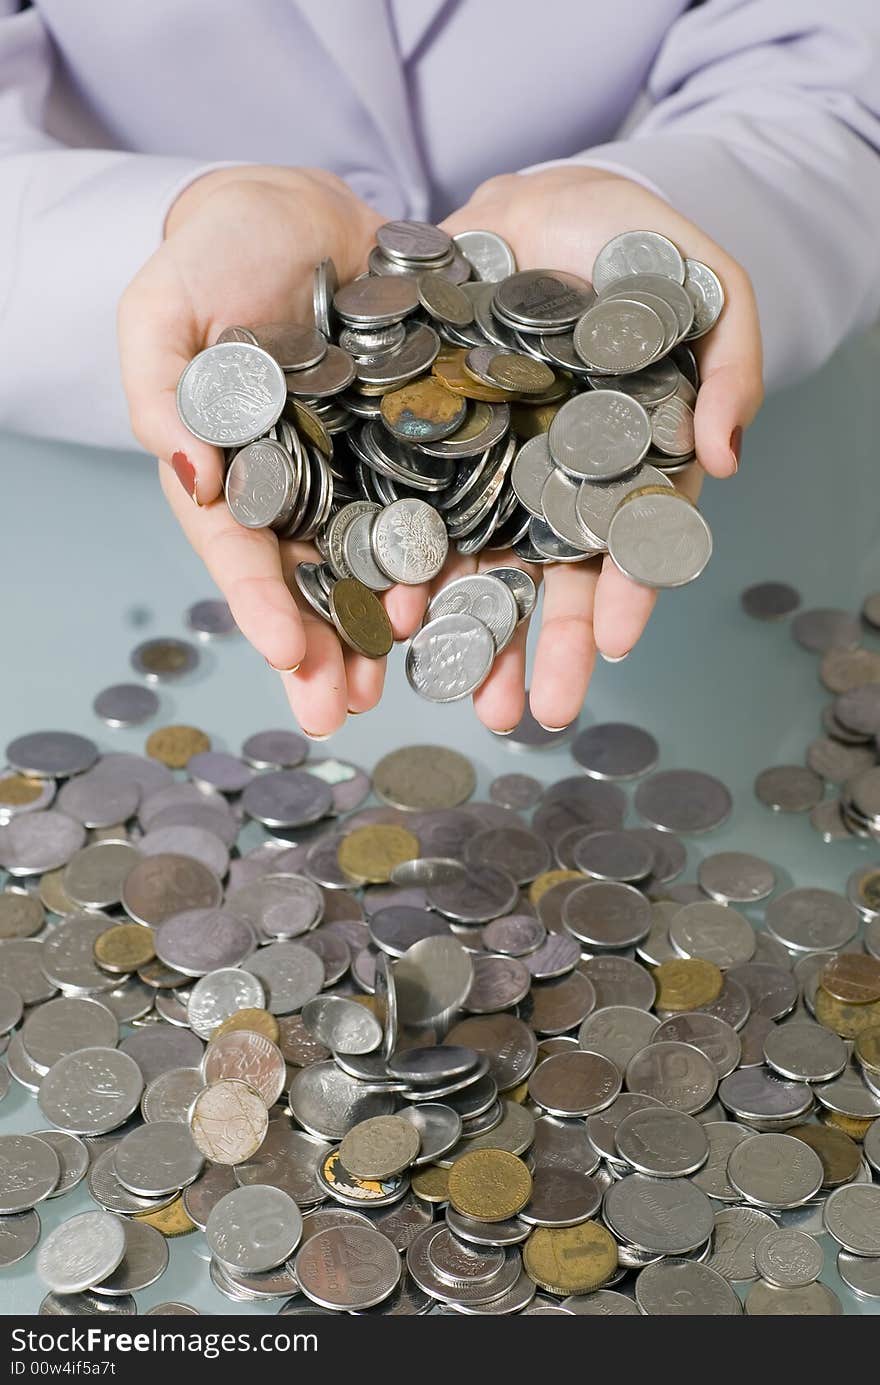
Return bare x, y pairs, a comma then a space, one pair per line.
422, 411
369, 854
124, 948
519, 373
431, 1184
846, 1020
489, 1184
686, 983
254, 1020
868, 1049
519, 1093
360, 618
850, 1125
53, 895
449, 369
570, 1259
542, 883
528, 420
171, 1220
175, 746
852, 977
17, 791
840, 1155
869, 890
308, 422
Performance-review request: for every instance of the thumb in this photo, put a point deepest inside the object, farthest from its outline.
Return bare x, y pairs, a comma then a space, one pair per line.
155, 344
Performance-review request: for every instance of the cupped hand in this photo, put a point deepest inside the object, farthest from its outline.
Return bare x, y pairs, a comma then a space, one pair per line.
560, 219
240, 248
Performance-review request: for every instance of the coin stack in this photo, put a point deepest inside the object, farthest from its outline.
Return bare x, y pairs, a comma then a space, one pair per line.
499, 1052
446, 396
846, 755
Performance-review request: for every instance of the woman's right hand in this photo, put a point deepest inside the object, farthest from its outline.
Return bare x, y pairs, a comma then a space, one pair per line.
240, 248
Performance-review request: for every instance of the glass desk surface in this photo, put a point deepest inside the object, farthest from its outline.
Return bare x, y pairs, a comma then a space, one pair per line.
94, 563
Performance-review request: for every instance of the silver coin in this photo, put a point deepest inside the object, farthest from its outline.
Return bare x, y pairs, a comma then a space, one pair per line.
167, 884
770, 1171
771, 990
211, 619
599, 436
615, 750
712, 1036
607, 914
91, 1092
613, 856
789, 788
532, 466
169, 1096
752, 1094
618, 981
723, 1137
851, 1095
159, 1047
714, 932
328, 1103
432, 979
481, 595
705, 291
678, 1074
439, 1128
735, 877
637, 252
683, 1288
145, 1260
805, 1052
683, 801
489, 254
96, 802
738, 1233
274, 750
770, 600
230, 394
409, 541
659, 1216
852, 1217
65, 1025
484, 893
51, 754
218, 994
21, 916
126, 704
457, 1289
659, 539
514, 935
619, 336
21, 961
201, 1196
541, 299
342, 1025
254, 1228
105, 1189
287, 798
164, 660
81, 1252
823, 629
574, 1083
789, 1258
198, 941
290, 973
860, 1273
215, 769
661, 1142
29, 1172
811, 920
86, 1305
812, 1300
499, 983
38, 842
95, 876
348, 1267
287, 1159
18, 1236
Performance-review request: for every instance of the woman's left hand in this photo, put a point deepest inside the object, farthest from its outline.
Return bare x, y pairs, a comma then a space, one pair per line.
560, 219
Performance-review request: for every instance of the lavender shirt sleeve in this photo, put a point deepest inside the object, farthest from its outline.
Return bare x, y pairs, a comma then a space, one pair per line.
76, 225
765, 130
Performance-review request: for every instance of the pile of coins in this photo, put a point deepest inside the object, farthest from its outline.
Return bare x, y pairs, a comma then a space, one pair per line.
429, 1055
845, 757
447, 396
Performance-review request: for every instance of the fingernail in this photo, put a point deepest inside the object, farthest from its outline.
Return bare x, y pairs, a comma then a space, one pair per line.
352, 713
736, 439
554, 730
312, 737
292, 669
615, 658
509, 732
185, 473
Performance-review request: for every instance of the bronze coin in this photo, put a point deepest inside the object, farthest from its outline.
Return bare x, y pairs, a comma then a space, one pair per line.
522, 374
360, 618
840, 1155
175, 746
853, 978
422, 411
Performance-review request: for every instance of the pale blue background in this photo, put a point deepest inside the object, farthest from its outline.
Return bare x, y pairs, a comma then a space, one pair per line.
92, 563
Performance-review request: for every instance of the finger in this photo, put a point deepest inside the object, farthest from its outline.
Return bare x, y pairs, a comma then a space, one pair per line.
406, 608
154, 348
246, 565
566, 650
621, 610
501, 701
731, 387
365, 679
318, 691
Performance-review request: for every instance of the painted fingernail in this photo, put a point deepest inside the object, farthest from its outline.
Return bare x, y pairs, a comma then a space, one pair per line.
185, 473
615, 658
736, 440
352, 713
292, 669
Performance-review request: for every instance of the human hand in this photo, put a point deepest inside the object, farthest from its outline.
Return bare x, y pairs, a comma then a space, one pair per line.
240, 247
560, 219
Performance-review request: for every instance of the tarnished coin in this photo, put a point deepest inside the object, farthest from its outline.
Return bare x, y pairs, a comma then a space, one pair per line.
489, 1184
360, 618
839, 1154
369, 854
248, 1057
570, 1260
687, 984
159, 886
574, 1083
162, 660
228, 1122
424, 777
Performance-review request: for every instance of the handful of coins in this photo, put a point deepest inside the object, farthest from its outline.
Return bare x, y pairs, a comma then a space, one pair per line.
447, 396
